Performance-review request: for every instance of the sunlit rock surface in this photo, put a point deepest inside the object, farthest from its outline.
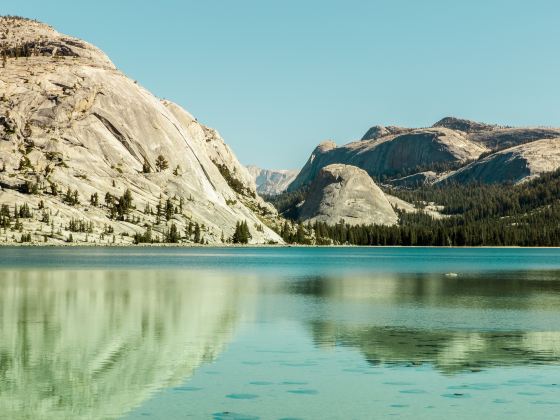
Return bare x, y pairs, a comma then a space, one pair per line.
409, 157
69, 118
343, 192
513, 165
393, 154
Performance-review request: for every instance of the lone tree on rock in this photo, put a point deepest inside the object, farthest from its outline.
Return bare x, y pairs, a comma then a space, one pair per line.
161, 163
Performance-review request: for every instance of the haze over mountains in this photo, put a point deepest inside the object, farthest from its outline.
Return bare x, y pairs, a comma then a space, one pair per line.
271, 181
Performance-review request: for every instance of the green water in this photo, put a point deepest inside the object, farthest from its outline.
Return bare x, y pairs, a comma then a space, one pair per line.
279, 333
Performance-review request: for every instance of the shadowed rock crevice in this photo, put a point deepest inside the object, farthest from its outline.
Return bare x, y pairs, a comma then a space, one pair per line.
118, 135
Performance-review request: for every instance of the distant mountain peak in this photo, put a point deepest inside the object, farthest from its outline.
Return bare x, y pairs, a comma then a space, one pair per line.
272, 181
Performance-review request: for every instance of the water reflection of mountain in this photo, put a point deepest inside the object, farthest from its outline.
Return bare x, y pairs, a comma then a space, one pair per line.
94, 344
412, 335
448, 351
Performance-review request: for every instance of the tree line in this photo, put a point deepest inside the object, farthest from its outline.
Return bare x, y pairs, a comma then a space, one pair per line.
473, 215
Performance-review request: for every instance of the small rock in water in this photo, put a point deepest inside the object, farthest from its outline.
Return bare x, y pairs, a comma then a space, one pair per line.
452, 275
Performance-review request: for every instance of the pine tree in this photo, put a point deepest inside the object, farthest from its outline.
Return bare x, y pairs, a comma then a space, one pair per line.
124, 204
161, 163
300, 234
242, 235
169, 209
24, 211
173, 234
197, 235
144, 238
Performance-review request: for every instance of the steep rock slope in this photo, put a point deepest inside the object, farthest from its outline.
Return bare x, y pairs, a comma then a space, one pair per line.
516, 164
394, 155
344, 192
271, 181
70, 120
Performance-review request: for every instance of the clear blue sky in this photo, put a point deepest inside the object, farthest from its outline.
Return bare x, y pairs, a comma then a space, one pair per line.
277, 77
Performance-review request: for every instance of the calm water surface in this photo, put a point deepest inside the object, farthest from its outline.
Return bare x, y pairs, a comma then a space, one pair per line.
270, 333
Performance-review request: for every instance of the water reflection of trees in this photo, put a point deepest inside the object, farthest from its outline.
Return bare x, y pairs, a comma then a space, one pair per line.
448, 350
515, 289
94, 344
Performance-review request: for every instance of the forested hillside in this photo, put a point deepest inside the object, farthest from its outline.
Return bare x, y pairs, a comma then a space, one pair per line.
475, 215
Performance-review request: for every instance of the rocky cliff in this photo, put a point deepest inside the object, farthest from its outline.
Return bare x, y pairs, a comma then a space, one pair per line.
512, 165
271, 181
411, 157
394, 155
343, 192
76, 134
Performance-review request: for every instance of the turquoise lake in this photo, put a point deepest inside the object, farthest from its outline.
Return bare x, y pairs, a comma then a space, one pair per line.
279, 333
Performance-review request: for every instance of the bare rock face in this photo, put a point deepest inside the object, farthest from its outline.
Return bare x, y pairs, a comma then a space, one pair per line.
394, 155
460, 124
344, 192
272, 181
409, 157
513, 165
69, 120
378, 131
495, 137
504, 138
